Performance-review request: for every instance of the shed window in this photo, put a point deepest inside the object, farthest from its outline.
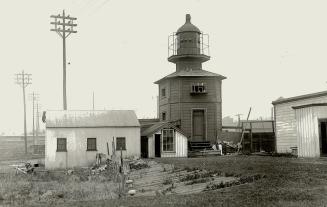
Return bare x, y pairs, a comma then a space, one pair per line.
61, 145
91, 144
120, 143
168, 140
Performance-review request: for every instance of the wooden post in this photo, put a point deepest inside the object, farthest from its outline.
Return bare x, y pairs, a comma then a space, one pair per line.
108, 148
122, 171
251, 138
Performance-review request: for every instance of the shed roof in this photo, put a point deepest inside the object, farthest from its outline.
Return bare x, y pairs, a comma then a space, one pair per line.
192, 73
302, 97
158, 126
258, 126
90, 119
309, 105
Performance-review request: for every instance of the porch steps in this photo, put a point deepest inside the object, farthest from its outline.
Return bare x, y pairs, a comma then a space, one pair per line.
199, 146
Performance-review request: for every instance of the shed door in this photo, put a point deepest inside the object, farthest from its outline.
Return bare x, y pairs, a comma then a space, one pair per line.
157, 145
323, 138
198, 125
144, 147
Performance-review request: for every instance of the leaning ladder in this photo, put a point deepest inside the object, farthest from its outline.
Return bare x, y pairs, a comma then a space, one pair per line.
239, 145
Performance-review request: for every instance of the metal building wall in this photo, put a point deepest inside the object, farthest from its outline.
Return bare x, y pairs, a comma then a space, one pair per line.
286, 126
307, 125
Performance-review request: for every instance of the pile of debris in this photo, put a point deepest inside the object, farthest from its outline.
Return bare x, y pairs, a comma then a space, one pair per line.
228, 147
26, 168
138, 164
109, 165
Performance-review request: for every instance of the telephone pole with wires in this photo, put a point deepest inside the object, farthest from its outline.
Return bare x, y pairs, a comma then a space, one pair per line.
38, 107
63, 26
24, 79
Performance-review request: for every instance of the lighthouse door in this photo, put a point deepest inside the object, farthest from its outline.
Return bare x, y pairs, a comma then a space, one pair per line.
198, 125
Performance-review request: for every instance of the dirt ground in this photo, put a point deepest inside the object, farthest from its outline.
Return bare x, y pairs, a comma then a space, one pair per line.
285, 182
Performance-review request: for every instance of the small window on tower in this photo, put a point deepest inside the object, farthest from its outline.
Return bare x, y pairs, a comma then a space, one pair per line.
163, 92
198, 88
163, 116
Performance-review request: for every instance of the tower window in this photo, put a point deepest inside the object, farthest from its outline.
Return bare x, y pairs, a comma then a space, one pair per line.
198, 88
163, 116
163, 92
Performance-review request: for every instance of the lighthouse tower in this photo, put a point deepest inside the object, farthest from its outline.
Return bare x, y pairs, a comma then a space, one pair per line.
190, 98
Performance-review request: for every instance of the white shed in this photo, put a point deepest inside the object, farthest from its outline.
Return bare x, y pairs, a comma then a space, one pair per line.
301, 123
73, 138
164, 140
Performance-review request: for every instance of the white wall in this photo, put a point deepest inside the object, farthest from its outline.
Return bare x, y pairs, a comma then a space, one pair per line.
180, 146
286, 134
151, 146
76, 155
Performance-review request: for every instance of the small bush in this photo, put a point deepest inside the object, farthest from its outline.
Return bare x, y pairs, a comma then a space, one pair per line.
167, 181
201, 180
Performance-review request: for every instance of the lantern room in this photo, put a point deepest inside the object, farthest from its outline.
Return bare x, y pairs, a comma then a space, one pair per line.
188, 42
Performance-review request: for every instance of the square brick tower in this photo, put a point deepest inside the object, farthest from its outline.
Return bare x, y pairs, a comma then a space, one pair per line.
190, 97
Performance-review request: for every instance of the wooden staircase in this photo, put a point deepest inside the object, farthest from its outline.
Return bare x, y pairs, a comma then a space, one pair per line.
199, 145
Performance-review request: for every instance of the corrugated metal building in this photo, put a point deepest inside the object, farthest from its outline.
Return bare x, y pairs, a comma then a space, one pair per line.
301, 124
73, 138
163, 139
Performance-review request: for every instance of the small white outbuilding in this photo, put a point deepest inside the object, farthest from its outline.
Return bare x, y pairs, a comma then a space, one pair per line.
163, 139
74, 138
301, 124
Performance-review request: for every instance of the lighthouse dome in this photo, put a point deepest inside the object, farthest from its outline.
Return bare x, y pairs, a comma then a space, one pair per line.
188, 26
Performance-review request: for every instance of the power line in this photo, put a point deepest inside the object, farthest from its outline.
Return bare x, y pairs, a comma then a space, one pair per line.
24, 79
63, 26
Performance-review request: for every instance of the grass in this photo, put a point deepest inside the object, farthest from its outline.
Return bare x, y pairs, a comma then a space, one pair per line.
55, 187
285, 181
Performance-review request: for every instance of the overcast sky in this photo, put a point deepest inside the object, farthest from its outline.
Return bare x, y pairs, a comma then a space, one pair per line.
266, 49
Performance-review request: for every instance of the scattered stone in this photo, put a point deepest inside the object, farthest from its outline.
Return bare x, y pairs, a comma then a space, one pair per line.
47, 195
129, 181
70, 172
131, 192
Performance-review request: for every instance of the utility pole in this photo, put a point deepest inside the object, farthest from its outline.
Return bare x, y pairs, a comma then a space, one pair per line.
34, 96
37, 119
239, 119
63, 26
93, 100
24, 79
